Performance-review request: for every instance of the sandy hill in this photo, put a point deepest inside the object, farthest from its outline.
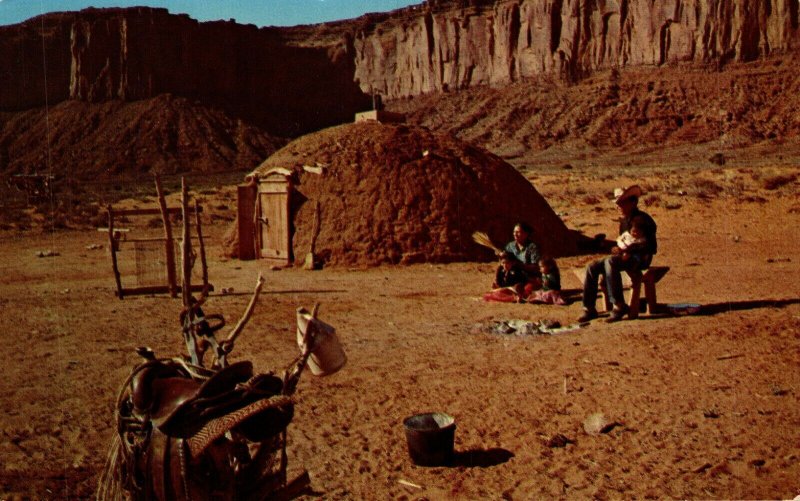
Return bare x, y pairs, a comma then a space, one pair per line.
165, 134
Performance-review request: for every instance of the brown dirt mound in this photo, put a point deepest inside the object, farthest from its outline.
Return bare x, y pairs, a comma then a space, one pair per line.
401, 194
166, 134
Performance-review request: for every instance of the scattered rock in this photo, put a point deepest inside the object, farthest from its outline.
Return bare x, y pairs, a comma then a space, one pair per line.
559, 440
526, 327
778, 391
711, 414
597, 423
721, 469
94, 246
703, 467
779, 260
47, 253
757, 463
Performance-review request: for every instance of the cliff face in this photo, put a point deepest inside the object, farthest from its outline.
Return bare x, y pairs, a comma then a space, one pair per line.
97, 55
445, 45
294, 80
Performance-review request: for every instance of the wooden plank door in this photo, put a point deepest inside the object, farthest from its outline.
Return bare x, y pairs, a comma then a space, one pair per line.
273, 221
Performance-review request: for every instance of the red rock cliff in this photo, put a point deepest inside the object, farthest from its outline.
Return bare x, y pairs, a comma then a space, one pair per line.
96, 55
299, 79
450, 44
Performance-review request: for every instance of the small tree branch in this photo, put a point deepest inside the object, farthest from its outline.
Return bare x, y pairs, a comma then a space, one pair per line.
247, 313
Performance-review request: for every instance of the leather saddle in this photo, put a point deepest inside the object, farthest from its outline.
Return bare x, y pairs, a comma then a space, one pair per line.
179, 405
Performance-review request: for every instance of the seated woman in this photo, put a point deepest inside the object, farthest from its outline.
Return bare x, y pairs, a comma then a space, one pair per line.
510, 283
524, 249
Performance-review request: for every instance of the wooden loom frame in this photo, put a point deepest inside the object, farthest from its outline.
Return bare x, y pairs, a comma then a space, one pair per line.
171, 286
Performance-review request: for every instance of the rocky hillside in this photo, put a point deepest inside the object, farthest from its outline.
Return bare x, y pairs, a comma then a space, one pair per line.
667, 116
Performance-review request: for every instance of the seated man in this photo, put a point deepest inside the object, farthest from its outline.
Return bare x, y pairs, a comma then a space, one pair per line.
634, 258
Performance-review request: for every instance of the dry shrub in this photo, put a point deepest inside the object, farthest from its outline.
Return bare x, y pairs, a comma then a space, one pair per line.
717, 158
704, 188
736, 189
775, 182
650, 187
591, 200
652, 201
59, 221
15, 217
98, 220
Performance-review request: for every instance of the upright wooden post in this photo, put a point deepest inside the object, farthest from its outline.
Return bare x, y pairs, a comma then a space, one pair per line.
169, 244
186, 287
203, 262
112, 241
186, 247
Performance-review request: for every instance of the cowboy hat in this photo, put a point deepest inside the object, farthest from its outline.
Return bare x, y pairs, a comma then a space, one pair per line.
622, 194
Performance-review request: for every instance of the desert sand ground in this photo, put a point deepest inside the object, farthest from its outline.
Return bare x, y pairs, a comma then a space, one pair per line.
706, 406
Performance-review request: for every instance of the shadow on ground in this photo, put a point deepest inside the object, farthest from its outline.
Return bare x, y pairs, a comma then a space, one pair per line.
482, 458
715, 308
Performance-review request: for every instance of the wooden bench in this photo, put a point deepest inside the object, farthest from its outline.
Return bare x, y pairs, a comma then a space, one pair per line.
649, 278
633, 281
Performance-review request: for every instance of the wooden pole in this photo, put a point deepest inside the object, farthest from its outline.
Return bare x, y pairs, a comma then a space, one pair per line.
186, 249
169, 244
186, 286
112, 241
203, 262
315, 229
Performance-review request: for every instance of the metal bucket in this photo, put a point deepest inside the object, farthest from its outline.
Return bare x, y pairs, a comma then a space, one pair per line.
327, 355
430, 438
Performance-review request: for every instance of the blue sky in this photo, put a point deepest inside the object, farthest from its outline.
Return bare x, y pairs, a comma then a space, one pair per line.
258, 12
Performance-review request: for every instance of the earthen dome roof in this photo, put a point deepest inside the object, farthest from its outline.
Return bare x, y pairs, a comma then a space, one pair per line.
393, 194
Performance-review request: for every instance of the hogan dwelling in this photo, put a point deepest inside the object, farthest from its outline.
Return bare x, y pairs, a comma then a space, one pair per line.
372, 193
